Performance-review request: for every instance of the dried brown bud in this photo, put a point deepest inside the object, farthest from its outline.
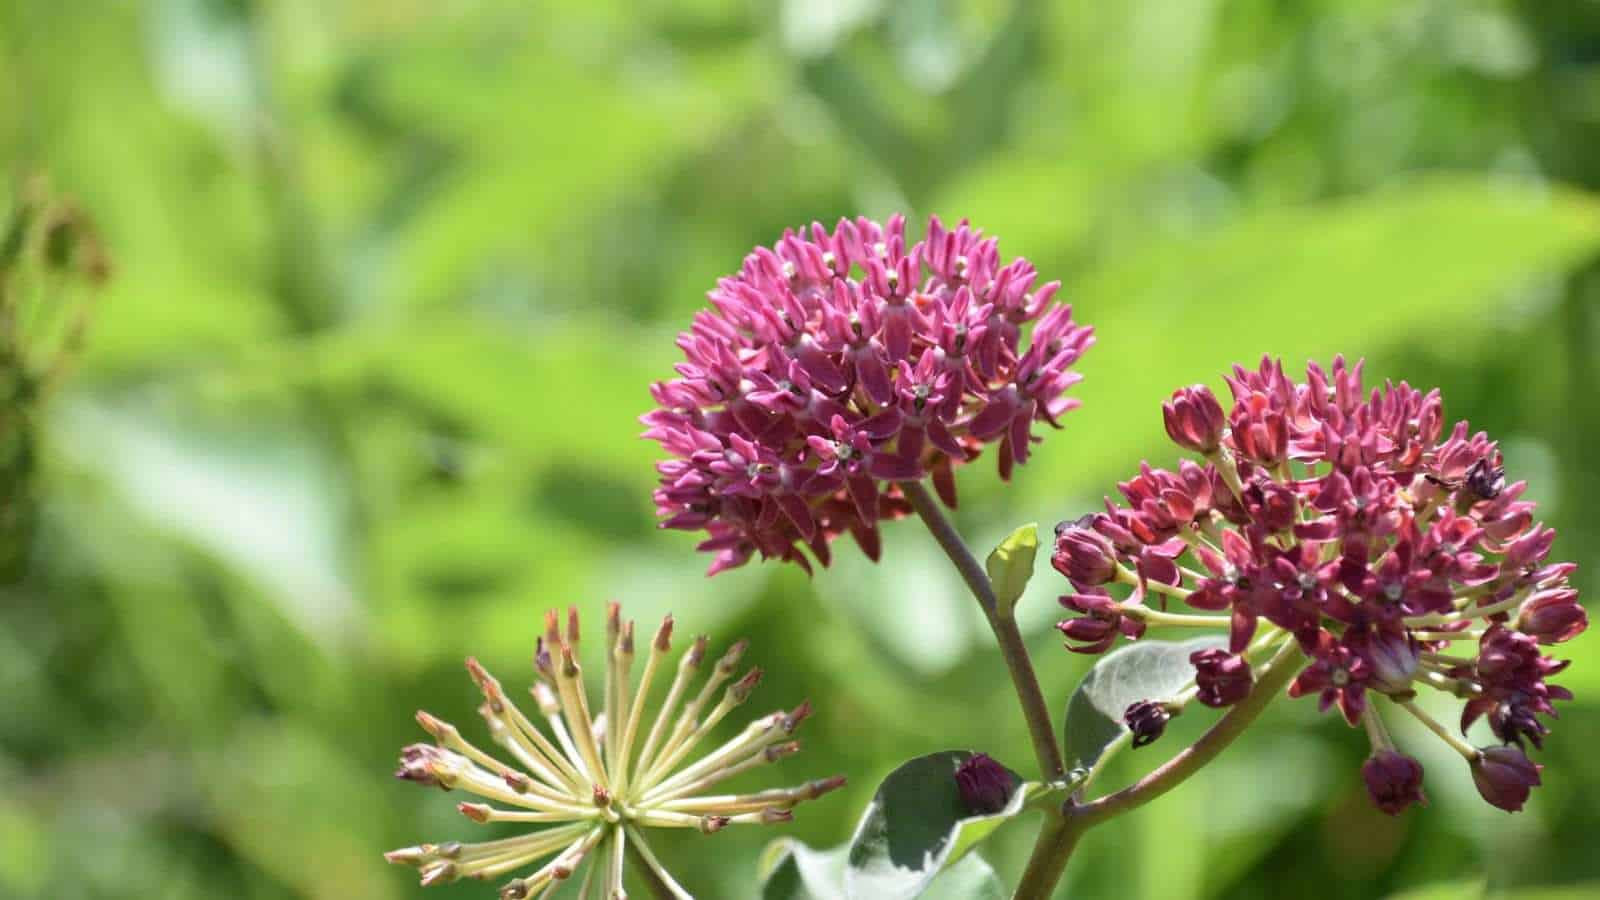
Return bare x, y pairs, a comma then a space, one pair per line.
440, 729
800, 714
740, 690
697, 652
730, 660
822, 786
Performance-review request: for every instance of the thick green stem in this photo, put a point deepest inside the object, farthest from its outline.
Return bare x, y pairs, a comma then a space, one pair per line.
1051, 850
1002, 623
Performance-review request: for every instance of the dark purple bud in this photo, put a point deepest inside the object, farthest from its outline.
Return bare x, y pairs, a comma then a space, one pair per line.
1393, 658
1147, 719
985, 785
1085, 557
1504, 776
1102, 621
1194, 419
1222, 678
1553, 616
1394, 781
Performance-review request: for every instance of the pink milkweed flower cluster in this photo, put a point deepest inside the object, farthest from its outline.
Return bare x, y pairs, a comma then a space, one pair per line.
1389, 548
838, 361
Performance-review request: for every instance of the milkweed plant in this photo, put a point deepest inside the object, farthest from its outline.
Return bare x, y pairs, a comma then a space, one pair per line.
1320, 538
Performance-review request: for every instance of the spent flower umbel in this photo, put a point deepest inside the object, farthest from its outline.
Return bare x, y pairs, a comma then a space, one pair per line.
838, 363
597, 776
1389, 549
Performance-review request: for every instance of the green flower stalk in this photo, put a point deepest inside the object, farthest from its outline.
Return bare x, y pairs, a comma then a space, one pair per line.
600, 774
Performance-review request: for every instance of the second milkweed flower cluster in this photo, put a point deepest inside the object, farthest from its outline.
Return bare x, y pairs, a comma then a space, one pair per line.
839, 360
1391, 551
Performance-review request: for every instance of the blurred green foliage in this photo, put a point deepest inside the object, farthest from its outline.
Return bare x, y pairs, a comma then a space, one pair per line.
392, 277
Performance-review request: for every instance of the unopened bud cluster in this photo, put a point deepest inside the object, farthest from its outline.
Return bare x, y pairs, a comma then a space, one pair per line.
598, 774
1390, 551
837, 361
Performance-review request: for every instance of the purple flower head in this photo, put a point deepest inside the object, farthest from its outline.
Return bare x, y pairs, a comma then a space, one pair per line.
837, 363
1553, 616
1355, 525
1147, 719
1084, 556
1194, 419
1505, 776
985, 785
1394, 781
1222, 678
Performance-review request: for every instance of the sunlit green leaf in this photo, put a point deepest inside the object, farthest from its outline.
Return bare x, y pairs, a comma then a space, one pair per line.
793, 871
1010, 565
916, 826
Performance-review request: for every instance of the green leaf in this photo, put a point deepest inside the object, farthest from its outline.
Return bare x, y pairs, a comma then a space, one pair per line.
1148, 670
916, 826
1010, 566
790, 870
970, 878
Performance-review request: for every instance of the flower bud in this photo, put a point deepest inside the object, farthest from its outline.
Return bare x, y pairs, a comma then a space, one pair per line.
984, 784
1085, 557
1553, 616
1099, 626
1394, 781
1504, 776
1222, 678
1194, 419
1147, 719
1393, 658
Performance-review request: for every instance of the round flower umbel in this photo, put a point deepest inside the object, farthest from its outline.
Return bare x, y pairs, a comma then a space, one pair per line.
595, 781
1354, 529
837, 361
